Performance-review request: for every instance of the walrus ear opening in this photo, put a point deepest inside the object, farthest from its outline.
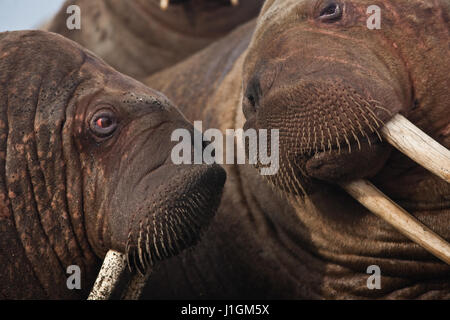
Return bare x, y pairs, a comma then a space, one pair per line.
418, 146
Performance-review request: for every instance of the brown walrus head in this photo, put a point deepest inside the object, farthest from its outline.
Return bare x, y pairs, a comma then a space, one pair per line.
89, 152
318, 74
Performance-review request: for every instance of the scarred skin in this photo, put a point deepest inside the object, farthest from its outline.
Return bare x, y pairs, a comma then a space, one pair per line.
298, 235
85, 167
138, 38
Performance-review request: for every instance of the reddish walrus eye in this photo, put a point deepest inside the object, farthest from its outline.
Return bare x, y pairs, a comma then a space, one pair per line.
103, 123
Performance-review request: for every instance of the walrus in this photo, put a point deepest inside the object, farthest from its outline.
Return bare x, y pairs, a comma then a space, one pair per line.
313, 70
86, 168
138, 38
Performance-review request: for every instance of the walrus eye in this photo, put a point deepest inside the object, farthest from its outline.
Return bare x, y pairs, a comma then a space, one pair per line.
103, 123
331, 13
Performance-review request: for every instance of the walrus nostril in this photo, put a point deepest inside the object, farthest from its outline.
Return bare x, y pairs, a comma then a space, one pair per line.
252, 100
251, 97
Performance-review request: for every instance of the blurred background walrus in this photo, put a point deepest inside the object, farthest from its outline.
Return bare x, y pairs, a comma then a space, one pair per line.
140, 37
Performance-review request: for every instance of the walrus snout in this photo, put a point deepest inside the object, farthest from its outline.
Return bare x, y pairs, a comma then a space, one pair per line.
329, 128
172, 216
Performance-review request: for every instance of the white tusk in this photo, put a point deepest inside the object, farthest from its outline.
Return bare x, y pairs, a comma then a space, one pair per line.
380, 204
418, 146
234, 2
109, 276
164, 4
136, 286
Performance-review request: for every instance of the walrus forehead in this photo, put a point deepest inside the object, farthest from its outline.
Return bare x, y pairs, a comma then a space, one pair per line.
278, 9
276, 16
108, 80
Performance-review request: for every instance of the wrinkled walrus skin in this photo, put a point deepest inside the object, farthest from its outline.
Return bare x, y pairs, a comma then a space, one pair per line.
309, 66
85, 167
137, 38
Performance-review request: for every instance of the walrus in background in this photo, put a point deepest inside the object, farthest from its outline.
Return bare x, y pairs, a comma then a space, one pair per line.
138, 38
317, 73
85, 168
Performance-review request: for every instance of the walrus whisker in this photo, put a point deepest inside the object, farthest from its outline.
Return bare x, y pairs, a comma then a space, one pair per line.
185, 223
315, 140
363, 132
356, 139
147, 243
147, 252
379, 136
137, 262
366, 121
347, 141
338, 145
296, 180
322, 140
178, 239
108, 277
417, 145
330, 138
162, 237
155, 240
382, 206
128, 251
139, 243
378, 106
168, 232
372, 114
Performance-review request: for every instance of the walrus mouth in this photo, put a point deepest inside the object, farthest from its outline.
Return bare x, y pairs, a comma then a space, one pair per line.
352, 159
418, 146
